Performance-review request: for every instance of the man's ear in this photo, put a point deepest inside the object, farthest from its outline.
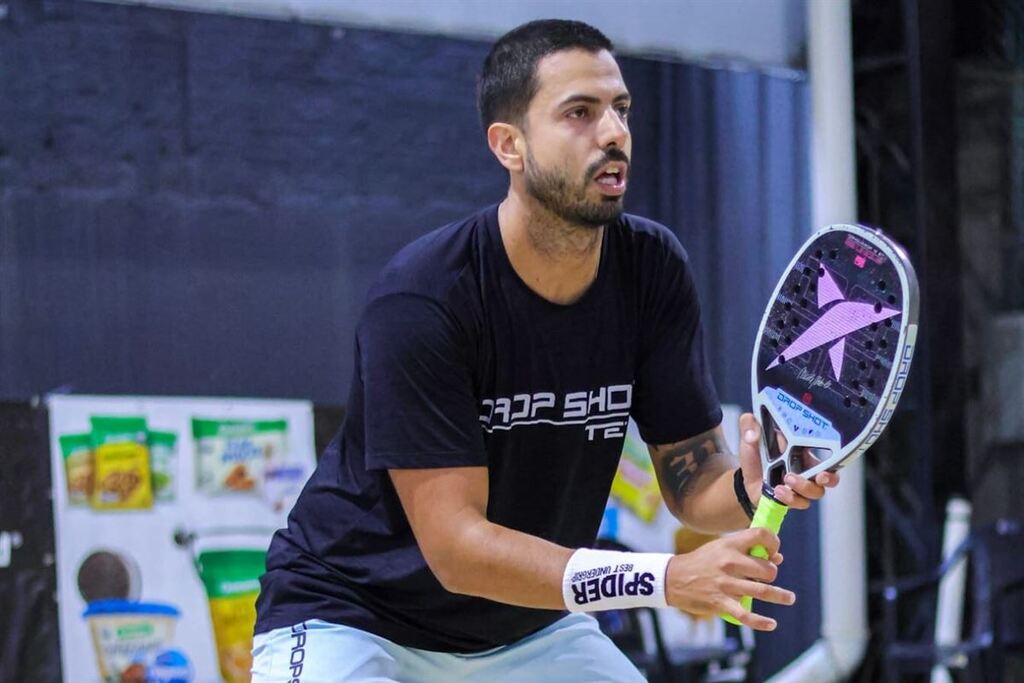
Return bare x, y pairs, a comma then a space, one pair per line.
508, 144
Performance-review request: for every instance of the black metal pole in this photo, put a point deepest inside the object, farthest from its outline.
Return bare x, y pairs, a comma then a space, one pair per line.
931, 81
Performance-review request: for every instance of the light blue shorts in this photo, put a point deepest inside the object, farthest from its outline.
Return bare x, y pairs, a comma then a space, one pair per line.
572, 650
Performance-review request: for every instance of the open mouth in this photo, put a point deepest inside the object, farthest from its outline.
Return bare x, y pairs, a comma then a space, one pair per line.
612, 179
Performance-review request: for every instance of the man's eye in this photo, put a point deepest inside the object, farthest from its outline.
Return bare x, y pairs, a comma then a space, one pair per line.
578, 113
624, 113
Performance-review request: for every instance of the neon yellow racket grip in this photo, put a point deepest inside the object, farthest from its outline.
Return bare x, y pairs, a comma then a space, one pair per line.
769, 515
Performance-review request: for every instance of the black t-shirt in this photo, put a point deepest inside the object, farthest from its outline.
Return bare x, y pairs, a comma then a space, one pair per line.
459, 363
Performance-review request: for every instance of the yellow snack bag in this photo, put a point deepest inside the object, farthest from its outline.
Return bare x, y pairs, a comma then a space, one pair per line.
231, 579
122, 480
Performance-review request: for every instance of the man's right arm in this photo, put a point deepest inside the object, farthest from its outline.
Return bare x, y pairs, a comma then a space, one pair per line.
446, 508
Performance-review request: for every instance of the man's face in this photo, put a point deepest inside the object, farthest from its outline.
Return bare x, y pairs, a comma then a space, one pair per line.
577, 135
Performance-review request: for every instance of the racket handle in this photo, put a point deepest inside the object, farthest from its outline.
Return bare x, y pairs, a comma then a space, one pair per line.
769, 515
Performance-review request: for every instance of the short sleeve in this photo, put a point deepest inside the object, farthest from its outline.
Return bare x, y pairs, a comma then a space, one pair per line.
674, 395
418, 401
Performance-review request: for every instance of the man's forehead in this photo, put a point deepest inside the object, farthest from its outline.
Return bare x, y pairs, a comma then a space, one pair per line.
581, 72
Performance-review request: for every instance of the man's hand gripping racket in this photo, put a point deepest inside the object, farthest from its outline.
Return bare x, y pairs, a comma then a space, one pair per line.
830, 359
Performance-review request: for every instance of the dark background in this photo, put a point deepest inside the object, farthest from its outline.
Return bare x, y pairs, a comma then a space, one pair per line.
196, 204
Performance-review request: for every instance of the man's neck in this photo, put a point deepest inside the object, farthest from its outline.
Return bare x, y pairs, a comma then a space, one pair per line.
557, 260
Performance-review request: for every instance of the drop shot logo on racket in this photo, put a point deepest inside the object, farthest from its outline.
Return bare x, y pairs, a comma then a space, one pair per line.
797, 416
803, 411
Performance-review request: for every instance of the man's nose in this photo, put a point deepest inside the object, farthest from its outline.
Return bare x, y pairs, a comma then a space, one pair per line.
612, 131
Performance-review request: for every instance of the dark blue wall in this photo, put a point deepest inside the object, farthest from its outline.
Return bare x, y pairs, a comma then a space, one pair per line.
196, 204
722, 158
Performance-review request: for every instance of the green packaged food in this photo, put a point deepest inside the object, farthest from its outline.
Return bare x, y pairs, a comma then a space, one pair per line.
76, 450
121, 455
163, 462
231, 578
233, 455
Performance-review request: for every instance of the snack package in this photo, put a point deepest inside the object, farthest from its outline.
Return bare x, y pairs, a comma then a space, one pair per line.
123, 480
163, 460
232, 455
231, 579
78, 466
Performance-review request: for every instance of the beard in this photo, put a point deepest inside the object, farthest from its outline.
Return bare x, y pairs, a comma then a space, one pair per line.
556, 192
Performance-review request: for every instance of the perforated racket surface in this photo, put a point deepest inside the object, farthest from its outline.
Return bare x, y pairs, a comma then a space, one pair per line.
833, 350
831, 356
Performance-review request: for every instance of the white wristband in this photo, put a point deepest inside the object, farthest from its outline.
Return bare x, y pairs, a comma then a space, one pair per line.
596, 580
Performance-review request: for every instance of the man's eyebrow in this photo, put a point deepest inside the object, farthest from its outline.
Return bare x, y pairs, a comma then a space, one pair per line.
590, 99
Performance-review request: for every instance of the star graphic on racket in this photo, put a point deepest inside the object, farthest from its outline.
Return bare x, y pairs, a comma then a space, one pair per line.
842, 319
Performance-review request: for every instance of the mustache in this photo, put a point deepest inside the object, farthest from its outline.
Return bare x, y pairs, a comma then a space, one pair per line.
613, 154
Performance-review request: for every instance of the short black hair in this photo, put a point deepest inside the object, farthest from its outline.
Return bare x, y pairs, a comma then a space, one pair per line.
508, 80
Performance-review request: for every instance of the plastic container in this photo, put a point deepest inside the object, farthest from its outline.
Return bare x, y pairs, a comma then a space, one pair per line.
127, 636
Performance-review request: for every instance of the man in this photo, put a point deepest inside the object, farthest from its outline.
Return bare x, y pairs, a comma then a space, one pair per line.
497, 362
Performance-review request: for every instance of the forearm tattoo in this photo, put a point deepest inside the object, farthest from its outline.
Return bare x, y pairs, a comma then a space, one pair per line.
681, 463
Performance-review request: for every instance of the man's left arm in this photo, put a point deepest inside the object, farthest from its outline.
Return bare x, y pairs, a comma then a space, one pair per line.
696, 477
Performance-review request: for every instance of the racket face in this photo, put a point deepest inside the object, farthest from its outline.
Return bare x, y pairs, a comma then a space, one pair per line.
833, 350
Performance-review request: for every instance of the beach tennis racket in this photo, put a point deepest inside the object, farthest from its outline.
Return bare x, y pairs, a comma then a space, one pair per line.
831, 358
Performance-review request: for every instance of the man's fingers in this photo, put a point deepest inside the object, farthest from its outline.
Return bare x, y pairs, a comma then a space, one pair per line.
749, 453
804, 487
765, 592
757, 622
750, 428
789, 498
827, 479
798, 492
755, 568
749, 538
716, 576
